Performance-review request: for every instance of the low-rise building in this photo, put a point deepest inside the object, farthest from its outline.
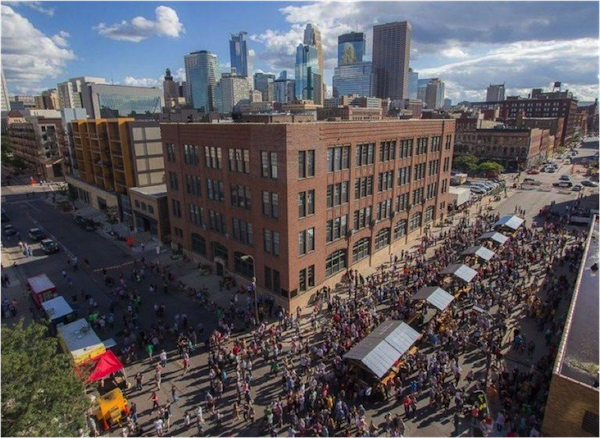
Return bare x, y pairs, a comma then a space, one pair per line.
151, 211
572, 405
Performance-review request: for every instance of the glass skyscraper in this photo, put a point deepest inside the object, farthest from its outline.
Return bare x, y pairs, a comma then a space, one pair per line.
308, 76
238, 51
351, 48
202, 74
413, 83
353, 79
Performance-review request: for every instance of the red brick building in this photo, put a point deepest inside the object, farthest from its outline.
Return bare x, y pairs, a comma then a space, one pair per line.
295, 205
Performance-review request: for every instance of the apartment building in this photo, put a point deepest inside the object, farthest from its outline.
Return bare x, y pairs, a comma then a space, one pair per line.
295, 205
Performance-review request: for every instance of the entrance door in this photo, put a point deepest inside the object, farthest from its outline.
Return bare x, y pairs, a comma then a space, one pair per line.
220, 269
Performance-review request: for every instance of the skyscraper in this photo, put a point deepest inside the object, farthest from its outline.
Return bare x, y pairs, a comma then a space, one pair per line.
312, 37
435, 93
353, 79
391, 57
170, 88
413, 83
263, 82
230, 91
202, 74
495, 93
69, 92
351, 48
5, 98
308, 81
238, 51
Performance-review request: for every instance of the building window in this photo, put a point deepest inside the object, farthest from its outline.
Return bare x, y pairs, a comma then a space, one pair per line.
382, 239
240, 196
239, 160
434, 167
400, 229
137, 203
363, 187
150, 209
178, 232
404, 175
335, 262
213, 157
306, 278
435, 143
242, 231
431, 190
338, 158
446, 164
144, 206
306, 164
336, 228
361, 249
271, 242
196, 213
387, 151
337, 194
422, 145
590, 423
406, 148
429, 214
418, 196
415, 221
173, 181
176, 208
216, 222
306, 203
365, 154
269, 164
384, 209
190, 154
448, 142
268, 278
306, 241
402, 202
270, 204
214, 190
420, 171
244, 264
362, 218
386, 181
170, 148
198, 244
193, 185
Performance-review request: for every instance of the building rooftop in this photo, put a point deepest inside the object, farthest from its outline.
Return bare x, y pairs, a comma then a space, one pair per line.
578, 352
325, 122
156, 191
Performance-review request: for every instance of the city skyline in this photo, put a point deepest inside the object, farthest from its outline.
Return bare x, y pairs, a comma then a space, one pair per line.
466, 61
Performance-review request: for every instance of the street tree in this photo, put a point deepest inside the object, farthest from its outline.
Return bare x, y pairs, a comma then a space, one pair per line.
467, 163
490, 167
41, 394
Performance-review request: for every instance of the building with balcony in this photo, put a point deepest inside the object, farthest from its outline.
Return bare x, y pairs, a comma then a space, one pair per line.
296, 205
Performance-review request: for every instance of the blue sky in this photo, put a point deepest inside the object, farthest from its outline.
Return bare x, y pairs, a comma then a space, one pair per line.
467, 44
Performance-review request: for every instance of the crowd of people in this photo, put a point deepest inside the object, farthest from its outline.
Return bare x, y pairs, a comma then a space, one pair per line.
307, 388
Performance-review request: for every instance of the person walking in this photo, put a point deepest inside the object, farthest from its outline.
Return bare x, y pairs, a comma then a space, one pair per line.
163, 358
154, 398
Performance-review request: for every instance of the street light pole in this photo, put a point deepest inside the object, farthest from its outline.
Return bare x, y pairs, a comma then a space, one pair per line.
255, 299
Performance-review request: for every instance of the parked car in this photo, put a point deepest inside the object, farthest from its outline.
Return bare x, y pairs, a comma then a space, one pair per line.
49, 246
577, 188
533, 171
589, 183
565, 178
36, 234
85, 224
478, 190
563, 184
9, 230
551, 170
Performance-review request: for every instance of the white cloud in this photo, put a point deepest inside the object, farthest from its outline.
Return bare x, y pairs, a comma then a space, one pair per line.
139, 28
61, 38
35, 5
28, 55
142, 82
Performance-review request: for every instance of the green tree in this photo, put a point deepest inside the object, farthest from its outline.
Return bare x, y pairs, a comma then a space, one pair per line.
41, 394
466, 163
490, 166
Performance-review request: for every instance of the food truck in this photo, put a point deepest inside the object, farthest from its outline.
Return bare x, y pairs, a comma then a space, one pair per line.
41, 289
58, 312
111, 408
80, 341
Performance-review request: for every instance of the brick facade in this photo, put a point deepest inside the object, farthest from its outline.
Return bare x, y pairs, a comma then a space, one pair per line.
289, 142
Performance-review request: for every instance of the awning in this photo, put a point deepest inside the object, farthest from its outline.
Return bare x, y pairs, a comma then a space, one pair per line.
461, 271
384, 346
56, 308
481, 252
100, 367
510, 221
495, 236
435, 295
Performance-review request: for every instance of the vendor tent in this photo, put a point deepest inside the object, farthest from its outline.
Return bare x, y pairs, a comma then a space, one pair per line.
495, 236
434, 295
56, 308
99, 367
480, 251
510, 221
461, 271
383, 346
80, 340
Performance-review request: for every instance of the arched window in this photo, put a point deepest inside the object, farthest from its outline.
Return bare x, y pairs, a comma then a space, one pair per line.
198, 244
335, 262
382, 239
361, 249
244, 264
400, 229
